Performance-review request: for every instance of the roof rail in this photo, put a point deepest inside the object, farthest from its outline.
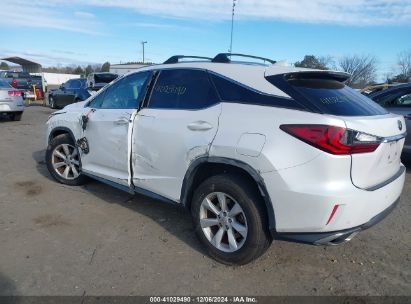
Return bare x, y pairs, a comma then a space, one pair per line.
226, 58
176, 58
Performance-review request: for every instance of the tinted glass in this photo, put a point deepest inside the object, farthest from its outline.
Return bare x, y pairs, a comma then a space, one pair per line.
233, 92
127, 93
183, 89
327, 96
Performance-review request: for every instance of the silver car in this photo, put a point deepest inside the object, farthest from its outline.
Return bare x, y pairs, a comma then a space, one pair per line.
11, 101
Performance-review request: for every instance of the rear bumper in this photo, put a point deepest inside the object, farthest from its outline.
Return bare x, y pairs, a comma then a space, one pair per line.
319, 196
334, 237
8, 107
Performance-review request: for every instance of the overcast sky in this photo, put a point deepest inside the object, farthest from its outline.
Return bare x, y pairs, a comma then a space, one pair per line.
54, 32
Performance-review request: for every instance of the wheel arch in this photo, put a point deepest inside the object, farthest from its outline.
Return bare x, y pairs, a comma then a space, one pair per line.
59, 131
204, 167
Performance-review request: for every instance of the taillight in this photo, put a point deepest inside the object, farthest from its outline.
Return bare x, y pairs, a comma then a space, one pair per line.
334, 140
14, 83
14, 93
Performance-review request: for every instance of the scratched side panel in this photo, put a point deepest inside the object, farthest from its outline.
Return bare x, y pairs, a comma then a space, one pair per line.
164, 146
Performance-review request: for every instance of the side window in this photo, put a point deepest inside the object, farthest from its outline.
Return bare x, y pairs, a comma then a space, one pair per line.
97, 101
403, 100
75, 84
68, 84
230, 91
390, 99
127, 93
183, 89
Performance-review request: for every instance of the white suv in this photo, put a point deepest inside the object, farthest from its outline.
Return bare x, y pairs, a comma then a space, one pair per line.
255, 152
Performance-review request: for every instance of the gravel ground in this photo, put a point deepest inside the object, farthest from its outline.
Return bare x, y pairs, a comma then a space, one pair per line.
96, 240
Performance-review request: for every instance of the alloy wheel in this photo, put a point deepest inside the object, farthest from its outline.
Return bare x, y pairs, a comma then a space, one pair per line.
223, 222
66, 162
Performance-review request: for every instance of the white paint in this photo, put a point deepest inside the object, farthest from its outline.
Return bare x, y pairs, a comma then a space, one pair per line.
164, 145
303, 182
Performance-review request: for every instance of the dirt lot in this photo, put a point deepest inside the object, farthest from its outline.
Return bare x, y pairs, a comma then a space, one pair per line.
96, 240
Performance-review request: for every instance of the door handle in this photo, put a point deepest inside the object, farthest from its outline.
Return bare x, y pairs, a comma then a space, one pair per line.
199, 125
122, 121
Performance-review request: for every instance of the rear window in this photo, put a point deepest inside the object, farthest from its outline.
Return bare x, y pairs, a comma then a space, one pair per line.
328, 96
104, 78
17, 75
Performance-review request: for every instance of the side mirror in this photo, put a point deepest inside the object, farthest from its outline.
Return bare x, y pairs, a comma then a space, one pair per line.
62, 87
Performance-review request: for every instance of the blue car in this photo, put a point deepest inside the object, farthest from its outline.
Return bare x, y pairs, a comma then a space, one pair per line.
73, 90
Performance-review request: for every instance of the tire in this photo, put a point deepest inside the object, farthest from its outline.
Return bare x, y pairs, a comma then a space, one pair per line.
57, 161
17, 116
251, 239
52, 103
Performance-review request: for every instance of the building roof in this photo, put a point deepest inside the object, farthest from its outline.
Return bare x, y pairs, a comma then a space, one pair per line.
28, 65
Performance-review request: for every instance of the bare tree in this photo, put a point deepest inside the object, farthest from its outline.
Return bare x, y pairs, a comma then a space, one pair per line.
363, 69
327, 61
404, 62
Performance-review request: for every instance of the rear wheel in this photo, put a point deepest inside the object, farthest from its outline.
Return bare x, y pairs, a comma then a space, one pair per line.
230, 220
52, 102
63, 161
17, 116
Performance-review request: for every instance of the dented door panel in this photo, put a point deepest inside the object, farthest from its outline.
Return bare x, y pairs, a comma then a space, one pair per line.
107, 136
165, 142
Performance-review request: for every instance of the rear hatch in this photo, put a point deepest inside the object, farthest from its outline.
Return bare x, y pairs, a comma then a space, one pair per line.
374, 138
371, 169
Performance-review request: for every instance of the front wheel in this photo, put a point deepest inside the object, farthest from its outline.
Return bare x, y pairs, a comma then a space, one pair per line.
63, 161
230, 219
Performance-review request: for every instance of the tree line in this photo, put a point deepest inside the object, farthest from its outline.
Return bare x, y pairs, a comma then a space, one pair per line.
70, 69
363, 68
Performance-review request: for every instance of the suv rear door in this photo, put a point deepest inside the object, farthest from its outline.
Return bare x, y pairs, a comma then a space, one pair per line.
176, 126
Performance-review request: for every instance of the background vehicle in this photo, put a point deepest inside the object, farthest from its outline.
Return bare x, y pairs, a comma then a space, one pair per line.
397, 100
73, 90
11, 102
95, 81
37, 80
18, 80
255, 152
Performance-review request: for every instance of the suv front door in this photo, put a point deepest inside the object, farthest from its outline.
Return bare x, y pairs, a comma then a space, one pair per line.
107, 132
176, 126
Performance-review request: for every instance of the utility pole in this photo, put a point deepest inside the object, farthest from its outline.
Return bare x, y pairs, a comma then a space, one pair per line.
143, 43
232, 27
